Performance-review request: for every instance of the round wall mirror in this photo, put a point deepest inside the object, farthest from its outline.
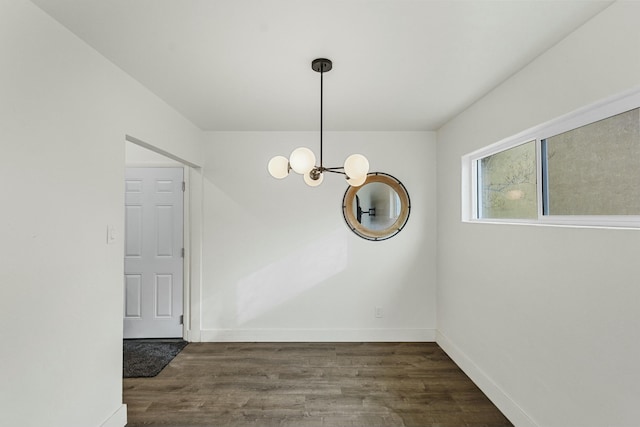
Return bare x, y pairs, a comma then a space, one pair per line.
378, 209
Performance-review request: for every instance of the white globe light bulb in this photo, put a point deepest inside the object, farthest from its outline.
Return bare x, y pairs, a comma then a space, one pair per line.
357, 182
302, 160
279, 167
356, 166
313, 182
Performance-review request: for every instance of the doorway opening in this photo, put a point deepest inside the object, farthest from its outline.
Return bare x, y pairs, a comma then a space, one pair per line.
155, 238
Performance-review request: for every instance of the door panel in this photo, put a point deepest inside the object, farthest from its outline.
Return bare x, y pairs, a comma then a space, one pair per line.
133, 231
133, 285
164, 231
164, 295
153, 288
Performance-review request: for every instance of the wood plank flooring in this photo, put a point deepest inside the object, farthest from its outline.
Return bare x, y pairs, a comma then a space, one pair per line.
310, 384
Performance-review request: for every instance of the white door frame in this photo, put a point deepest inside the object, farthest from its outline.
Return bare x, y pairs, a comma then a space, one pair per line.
193, 222
186, 260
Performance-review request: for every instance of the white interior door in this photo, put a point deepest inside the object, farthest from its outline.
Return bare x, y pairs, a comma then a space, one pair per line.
153, 259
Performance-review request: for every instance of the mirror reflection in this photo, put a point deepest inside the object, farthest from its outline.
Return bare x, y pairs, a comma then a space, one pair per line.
377, 206
378, 209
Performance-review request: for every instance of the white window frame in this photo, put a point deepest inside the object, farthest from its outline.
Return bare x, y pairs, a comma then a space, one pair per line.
584, 116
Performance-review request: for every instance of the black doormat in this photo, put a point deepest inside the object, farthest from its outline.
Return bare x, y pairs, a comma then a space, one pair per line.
147, 357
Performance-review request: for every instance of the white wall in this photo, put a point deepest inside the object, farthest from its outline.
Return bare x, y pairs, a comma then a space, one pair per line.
544, 319
137, 156
281, 264
64, 114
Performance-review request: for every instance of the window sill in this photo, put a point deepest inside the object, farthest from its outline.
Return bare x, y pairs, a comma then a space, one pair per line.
612, 223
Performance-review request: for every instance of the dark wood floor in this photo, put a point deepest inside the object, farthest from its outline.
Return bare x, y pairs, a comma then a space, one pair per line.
310, 384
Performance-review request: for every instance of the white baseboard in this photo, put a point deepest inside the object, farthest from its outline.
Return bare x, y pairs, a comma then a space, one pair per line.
118, 419
509, 408
192, 335
318, 335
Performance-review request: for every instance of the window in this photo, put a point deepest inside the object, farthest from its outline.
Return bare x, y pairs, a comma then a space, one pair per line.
507, 183
594, 169
581, 169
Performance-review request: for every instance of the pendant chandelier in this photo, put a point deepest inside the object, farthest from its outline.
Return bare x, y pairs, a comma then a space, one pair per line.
303, 161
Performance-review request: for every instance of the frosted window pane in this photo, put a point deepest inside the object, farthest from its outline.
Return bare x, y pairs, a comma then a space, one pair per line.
507, 183
595, 169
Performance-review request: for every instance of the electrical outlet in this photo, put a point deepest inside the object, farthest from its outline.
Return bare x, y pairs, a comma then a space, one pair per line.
379, 312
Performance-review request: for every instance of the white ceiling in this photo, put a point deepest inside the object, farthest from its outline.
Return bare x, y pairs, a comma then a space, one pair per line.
245, 65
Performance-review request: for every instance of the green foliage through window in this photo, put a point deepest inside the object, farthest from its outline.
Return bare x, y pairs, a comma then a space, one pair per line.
507, 183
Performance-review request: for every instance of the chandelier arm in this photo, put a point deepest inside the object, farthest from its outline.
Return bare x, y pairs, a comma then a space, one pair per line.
332, 170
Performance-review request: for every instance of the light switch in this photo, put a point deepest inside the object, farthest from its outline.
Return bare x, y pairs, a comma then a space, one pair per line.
111, 235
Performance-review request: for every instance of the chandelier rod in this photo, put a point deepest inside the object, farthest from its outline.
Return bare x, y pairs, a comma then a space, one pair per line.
321, 96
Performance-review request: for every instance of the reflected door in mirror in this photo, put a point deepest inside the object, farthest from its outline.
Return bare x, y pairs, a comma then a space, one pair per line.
377, 206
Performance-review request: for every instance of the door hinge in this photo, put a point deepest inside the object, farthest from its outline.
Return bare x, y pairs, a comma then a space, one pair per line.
184, 186
182, 319
182, 253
